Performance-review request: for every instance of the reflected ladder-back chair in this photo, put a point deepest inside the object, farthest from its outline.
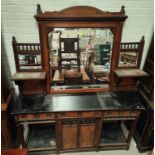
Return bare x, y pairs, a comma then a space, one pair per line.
71, 80
69, 46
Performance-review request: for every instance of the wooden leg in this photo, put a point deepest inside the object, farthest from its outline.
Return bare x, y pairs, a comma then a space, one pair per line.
133, 128
57, 128
20, 132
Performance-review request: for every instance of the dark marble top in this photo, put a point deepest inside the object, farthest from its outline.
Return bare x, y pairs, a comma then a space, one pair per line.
77, 102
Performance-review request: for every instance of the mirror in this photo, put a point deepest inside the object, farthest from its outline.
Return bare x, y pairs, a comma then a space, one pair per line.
80, 57
27, 56
29, 61
131, 54
128, 59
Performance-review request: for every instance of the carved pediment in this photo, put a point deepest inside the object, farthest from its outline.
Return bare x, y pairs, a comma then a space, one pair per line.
82, 10
81, 13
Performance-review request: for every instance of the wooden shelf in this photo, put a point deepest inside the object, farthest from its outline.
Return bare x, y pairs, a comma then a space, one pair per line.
29, 76
121, 73
42, 137
112, 134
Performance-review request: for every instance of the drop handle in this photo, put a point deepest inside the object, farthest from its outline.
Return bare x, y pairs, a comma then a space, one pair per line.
36, 115
49, 115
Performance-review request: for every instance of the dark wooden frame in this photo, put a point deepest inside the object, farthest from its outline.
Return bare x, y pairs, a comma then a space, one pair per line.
136, 47
76, 17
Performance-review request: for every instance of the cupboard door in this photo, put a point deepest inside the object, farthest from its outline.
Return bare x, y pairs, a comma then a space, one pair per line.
69, 135
78, 133
87, 136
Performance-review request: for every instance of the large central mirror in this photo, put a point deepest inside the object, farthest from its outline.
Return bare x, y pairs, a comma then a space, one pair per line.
80, 48
80, 57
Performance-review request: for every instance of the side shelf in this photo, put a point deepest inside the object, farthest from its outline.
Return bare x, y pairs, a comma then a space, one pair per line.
30, 82
126, 79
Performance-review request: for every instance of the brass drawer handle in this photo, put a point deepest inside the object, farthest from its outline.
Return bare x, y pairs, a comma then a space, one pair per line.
23, 116
49, 115
79, 114
120, 113
109, 113
96, 113
62, 114
133, 113
36, 115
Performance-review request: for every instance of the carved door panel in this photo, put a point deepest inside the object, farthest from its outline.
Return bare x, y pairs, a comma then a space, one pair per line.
69, 134
87, 135
69, 137
78, 133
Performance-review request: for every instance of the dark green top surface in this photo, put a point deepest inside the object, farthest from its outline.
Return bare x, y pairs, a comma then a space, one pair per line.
77, 102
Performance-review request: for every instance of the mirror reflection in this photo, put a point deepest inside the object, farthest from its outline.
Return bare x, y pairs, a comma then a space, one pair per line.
128, 59
80, 57
29, 61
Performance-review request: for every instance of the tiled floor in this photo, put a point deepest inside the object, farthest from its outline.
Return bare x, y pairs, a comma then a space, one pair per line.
132, 151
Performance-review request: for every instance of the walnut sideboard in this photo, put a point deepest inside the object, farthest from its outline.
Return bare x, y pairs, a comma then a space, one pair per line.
77, 122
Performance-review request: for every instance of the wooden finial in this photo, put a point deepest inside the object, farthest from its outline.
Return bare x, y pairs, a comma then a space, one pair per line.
143, 39
14, 39
39, 11
123, 9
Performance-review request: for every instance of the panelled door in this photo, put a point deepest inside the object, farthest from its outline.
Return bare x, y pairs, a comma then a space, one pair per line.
87, 128
69, 134
78, 133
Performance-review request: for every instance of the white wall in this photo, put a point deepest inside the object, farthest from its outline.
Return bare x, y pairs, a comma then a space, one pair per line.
18, 20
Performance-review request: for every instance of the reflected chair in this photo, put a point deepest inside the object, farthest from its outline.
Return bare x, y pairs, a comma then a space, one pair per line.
69, 54
73, 79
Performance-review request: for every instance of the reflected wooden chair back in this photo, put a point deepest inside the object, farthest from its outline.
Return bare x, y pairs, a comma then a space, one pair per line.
69, 46
73, 79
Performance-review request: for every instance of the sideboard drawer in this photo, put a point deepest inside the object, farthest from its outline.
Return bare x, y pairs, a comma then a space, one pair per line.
90, 114
120, 113
78, 114
35, 117
67, 114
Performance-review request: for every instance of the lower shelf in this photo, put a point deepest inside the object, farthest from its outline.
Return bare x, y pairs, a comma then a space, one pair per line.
42, 137
113, 133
